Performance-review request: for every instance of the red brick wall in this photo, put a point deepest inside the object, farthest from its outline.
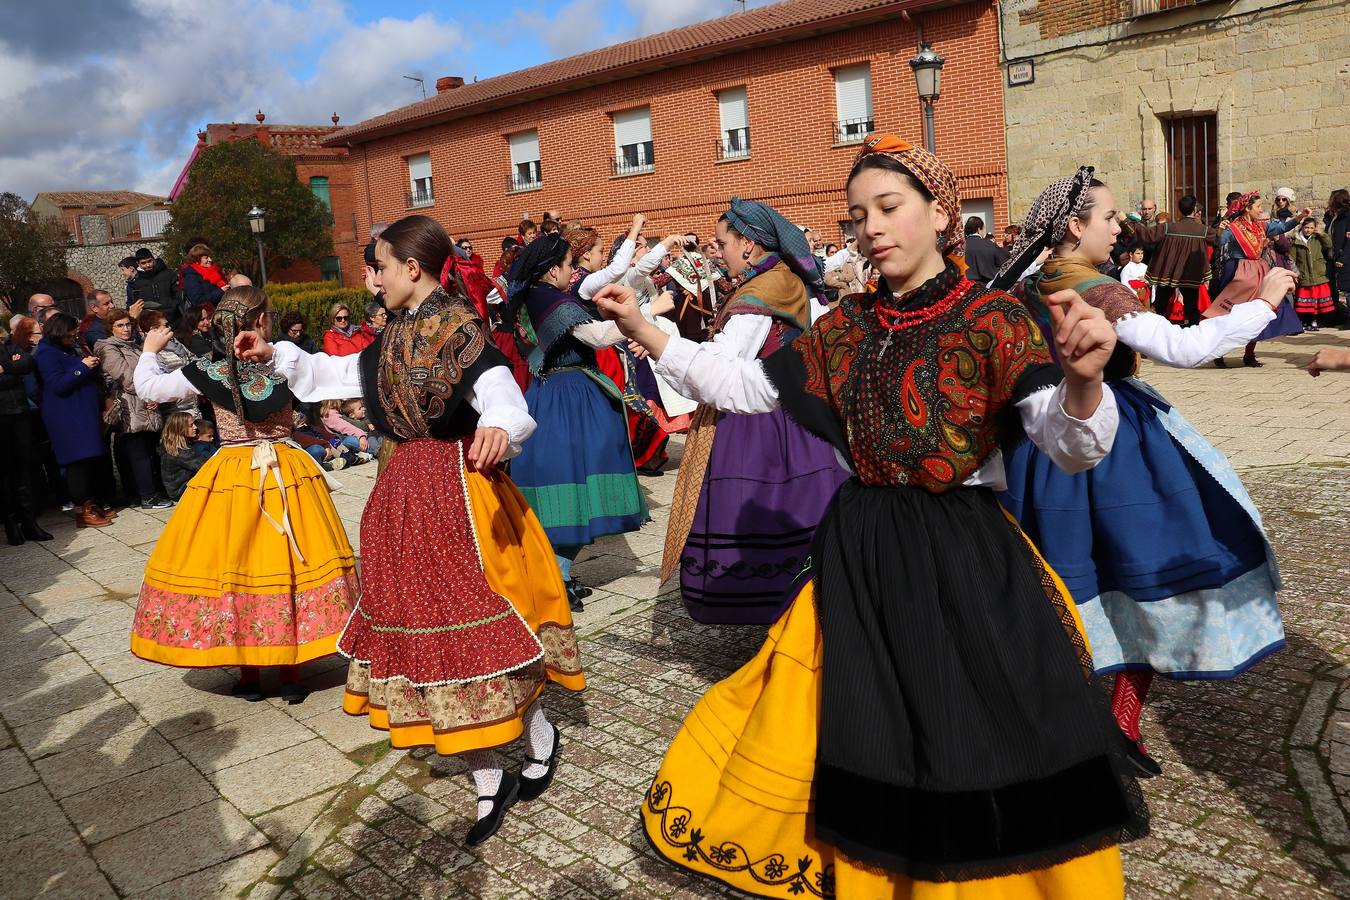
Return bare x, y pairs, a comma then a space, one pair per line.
791, 106
348, 244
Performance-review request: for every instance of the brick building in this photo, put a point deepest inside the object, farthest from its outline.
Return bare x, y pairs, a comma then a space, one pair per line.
768, 104
327, 171
1167, 97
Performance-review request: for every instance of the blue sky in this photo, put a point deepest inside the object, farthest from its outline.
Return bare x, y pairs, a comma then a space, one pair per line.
106, 94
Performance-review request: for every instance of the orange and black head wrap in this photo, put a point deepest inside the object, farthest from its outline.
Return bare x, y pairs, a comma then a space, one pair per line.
580, 238
929, 171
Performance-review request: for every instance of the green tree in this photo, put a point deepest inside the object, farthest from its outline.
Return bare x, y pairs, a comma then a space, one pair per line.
32, 252
229, 179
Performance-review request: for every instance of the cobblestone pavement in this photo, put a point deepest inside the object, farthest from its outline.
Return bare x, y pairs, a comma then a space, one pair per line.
122, 778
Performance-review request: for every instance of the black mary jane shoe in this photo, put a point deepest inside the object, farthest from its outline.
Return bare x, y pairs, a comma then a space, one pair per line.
1220, 363
531, 788
1252, 362
293, 692
248, 690
1145, 765
507, 794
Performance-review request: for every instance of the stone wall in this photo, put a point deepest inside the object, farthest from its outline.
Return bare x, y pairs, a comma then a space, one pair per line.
96, 267
1274, 72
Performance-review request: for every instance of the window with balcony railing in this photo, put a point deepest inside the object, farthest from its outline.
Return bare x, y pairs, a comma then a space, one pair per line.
853, 101
1136, 8
526, 174
634, 159
735, 144
419, 177
852, 131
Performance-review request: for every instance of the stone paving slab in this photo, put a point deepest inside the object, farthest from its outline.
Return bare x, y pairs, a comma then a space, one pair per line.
123, 778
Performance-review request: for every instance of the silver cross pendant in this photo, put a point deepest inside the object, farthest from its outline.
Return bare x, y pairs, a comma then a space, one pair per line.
886, 344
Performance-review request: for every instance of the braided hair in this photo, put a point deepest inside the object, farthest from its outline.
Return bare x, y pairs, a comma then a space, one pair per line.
238, 311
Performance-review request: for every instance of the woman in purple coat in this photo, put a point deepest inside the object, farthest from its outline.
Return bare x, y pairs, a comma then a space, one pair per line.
71, 405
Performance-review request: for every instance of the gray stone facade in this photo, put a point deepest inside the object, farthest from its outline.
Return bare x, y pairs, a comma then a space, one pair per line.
94, 264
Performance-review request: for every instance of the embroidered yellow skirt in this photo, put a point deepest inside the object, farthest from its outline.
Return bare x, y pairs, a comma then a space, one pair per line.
732, 800
463, 619
224, 587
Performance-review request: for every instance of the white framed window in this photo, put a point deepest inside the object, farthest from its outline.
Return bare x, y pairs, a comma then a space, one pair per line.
526, 175
853, 101
734, 109
419, 179
633, 151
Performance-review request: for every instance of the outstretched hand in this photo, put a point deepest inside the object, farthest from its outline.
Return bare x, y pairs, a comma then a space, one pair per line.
1329, 359
488, 448
250, 346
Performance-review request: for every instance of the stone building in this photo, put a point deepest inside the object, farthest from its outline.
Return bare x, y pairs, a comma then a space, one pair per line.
327, 172
103, 227
1167, 97
769, 104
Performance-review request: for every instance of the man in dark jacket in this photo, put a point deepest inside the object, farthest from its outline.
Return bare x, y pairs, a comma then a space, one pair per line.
983, 256
1179, 259
157, 285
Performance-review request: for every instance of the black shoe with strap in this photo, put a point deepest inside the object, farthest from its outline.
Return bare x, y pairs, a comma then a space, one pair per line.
531, 788
507, 794
1252, 362
1220, 363
575, 594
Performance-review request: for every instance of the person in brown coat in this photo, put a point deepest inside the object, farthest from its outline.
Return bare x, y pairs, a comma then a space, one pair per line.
139, 422
1179, 261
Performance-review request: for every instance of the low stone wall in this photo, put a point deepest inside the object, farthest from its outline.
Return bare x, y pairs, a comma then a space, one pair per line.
98, 265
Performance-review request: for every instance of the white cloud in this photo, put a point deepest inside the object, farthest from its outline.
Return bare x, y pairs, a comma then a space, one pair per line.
123, 111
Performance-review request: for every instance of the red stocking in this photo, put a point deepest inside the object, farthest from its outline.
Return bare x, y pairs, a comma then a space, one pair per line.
1127, 701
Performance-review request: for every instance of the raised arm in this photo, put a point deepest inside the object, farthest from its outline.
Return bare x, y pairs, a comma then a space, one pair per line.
317, 376
1184, 348
154, 385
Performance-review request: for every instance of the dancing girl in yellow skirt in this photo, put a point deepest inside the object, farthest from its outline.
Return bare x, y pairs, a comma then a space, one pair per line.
921, 722
253, 568
463, 618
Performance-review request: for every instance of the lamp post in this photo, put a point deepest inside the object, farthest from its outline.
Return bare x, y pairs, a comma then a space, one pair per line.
258, 224
927, 66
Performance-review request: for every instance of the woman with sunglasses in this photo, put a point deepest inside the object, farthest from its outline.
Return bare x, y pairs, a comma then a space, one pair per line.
344, 337
924, 712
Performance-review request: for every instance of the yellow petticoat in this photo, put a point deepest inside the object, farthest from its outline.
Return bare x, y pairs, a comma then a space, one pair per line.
732, 800
519, 564
224, 588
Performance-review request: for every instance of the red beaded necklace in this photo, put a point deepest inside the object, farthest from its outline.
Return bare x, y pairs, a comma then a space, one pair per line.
902, 319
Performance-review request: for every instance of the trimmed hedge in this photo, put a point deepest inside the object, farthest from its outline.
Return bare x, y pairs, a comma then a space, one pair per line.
312, 299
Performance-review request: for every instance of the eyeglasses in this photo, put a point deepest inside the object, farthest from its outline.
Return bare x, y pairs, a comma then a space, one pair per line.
341, 318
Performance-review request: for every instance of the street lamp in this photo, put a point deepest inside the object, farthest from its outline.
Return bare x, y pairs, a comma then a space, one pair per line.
258, 224
927, 66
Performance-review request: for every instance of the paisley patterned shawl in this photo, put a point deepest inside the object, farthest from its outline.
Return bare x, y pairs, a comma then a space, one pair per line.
928, 411
424, 363
262, 392
1107, 294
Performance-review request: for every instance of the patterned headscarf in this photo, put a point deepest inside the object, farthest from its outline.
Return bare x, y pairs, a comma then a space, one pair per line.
536, 258
580, 238
1046, 224
1241, 204
766, 226
932, 173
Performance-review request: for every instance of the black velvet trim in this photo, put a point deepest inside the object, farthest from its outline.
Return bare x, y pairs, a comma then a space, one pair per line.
787, 373
220, 394
965, 835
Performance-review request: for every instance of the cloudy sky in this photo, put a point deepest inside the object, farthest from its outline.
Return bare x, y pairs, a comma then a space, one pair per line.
105, 94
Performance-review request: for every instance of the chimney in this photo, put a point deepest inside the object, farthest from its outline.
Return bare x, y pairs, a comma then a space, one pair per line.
448, 83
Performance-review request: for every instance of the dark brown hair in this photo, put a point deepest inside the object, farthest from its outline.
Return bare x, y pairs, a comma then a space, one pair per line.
58, 327
1338, 201
421, 238
114, 316
151, 319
